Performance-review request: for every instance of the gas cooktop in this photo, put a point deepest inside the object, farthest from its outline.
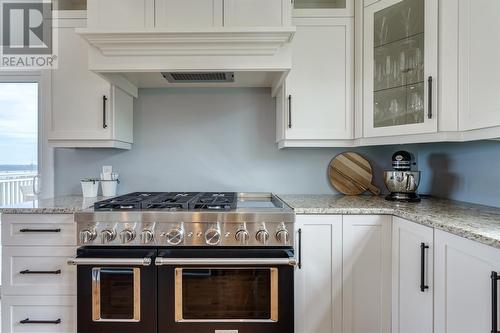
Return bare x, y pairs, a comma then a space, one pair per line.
172, 201
187, 219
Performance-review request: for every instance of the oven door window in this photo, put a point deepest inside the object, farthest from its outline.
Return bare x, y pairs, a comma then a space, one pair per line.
226, 294
116, 294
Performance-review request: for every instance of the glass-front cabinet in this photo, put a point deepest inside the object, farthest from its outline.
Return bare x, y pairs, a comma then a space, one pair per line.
400, 67
323, 8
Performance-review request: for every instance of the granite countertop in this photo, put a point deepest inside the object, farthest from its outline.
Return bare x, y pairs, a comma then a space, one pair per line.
59, 205
475, 222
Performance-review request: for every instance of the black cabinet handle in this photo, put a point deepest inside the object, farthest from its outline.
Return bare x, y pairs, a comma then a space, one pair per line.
40, 230
28, 321
27, 272
299, 264
289, 111
104, 122
494, 302
423, 286
429, 111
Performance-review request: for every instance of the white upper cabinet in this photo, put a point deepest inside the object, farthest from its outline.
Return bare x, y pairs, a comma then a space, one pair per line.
400, 67
316, 103
463, 284
120, 14
479, 64
323, 8
188, 13
412, 277
87, 111
256, 13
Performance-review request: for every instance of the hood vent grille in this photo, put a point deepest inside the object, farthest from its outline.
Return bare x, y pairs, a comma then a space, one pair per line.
192, 77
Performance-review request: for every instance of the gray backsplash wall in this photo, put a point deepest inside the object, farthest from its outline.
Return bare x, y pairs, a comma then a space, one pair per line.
207, 140
462, 171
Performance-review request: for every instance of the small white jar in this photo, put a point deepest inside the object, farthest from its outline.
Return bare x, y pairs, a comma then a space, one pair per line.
109, 187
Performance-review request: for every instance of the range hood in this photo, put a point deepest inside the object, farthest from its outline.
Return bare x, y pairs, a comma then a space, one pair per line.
215, 57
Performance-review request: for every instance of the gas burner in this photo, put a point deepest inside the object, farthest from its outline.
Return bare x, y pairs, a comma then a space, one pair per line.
132, 201
215, 201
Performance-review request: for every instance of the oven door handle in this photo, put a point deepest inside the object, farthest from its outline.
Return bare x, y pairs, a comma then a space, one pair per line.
224, 261
110, 261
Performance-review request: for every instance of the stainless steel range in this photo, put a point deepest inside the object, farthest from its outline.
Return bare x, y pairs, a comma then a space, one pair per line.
186, 262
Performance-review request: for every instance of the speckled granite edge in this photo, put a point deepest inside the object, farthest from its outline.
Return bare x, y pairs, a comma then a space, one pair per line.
474, 222
58, 205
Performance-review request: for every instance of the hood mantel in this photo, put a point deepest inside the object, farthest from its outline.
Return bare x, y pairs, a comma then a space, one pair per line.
207, 42
259, 57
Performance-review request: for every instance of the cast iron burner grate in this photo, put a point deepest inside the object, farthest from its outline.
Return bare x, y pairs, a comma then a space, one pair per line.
215, 201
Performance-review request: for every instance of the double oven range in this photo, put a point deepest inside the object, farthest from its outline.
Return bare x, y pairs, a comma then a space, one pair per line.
186, 263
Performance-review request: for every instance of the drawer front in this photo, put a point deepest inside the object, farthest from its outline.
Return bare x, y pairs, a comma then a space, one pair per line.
33, 230
20, 312
38, 271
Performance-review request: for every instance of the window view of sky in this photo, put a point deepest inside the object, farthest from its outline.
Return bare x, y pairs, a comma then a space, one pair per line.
18, 123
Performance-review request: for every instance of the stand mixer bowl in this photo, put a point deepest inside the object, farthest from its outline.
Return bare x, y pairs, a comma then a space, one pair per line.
402, 181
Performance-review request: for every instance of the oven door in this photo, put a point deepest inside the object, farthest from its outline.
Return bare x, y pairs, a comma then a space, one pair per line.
225, 290
116, 290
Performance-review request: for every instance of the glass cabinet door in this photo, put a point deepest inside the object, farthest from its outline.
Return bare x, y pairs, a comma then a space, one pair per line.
399, 70
70, 4
323, 8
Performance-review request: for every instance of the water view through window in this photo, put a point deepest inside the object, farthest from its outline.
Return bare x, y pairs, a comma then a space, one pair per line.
18, 141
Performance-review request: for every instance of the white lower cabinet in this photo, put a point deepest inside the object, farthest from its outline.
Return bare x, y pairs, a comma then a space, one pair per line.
463, 287
366, 274
40, 314
318, 279
38, 287
412, 277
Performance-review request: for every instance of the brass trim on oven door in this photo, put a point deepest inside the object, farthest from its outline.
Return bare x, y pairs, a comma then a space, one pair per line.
96, 295
274, 298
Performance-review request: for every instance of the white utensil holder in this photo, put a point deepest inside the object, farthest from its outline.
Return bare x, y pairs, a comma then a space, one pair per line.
109, 188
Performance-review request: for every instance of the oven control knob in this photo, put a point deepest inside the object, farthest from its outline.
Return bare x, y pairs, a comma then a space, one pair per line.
87, 236
212, 236
107, 236
175, 236
127, 235
242, 236
262, 236
282, 236
146, 236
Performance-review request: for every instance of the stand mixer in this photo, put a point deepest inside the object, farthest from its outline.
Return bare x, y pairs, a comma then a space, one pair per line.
401, 181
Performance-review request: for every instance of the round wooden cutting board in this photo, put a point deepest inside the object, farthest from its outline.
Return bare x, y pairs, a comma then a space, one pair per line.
351, 174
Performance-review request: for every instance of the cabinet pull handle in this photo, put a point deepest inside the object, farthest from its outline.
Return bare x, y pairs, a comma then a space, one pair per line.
104, 122
429, 111
289, 111
299, 264
27, 271
28, 321
423, 286
494, 302
40, 230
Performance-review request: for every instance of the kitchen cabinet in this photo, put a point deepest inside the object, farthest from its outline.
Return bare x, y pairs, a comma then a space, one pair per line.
463, 288
412, 277
366, 274
37, 283
322, 52
479, 66
250, 13
120, 14
188, 13
87, 111
318, 278
323, 8
400, 68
